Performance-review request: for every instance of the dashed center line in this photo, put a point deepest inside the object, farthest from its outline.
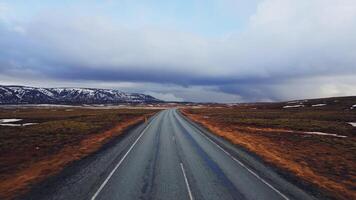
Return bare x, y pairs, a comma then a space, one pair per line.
243, 165
186, 182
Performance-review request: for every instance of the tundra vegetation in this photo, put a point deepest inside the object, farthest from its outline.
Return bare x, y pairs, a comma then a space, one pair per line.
310, 145
59, 136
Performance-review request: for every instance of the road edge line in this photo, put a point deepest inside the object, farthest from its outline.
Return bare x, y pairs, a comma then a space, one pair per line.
118, 164
240, 163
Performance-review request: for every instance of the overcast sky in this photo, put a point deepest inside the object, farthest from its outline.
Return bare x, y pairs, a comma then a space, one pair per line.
192, 50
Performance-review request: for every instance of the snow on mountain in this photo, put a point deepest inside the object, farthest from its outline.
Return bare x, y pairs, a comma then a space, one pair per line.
32, 95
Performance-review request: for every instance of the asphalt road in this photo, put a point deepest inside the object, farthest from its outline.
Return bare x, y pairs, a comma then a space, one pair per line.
168, 158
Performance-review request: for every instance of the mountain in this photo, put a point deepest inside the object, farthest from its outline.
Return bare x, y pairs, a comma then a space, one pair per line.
33, 95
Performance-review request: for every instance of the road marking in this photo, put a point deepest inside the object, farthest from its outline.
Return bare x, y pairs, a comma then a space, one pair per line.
244, 166
186, 182
118, 164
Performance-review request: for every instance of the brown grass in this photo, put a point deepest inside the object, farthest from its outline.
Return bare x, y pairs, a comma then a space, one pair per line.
27, 170
323, 161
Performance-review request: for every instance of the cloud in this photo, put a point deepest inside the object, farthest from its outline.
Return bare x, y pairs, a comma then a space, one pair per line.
4, 9
164, 96
283, 44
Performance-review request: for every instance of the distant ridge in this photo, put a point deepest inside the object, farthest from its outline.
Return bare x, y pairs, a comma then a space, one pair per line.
34, 95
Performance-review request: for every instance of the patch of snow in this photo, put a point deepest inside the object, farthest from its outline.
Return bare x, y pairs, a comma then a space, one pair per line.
318, 105
9, 120
352, 124
46, 92
10, 124
17, 125
293, 102
326, 134
294, 106
59, 90
353, 107
29, 124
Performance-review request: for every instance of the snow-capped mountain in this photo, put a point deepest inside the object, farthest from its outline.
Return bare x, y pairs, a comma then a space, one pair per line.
32, 95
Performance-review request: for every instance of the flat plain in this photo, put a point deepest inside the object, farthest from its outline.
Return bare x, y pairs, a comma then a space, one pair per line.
312, 142
36, 143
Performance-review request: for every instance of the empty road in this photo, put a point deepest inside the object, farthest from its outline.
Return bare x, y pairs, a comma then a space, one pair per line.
168, 158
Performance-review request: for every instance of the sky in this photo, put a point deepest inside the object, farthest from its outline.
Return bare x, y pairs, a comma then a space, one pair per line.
180, 50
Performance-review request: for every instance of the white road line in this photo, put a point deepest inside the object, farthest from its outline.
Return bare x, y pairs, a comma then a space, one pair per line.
248, 169
186, 182
244, 166
118, 164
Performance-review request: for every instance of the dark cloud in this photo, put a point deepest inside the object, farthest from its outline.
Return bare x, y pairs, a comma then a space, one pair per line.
303, 49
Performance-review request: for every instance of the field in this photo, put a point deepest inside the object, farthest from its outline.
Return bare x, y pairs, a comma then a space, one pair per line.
312, 144
51, 138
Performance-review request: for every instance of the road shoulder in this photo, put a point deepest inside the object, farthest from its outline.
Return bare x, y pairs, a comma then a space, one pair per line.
284, 181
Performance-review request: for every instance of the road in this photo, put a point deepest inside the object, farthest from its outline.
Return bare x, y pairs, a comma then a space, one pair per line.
171, 158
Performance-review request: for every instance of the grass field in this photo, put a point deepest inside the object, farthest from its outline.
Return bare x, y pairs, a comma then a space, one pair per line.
281, 137
29, 154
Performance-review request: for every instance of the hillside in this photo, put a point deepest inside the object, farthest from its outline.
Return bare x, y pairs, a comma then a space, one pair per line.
33, 95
